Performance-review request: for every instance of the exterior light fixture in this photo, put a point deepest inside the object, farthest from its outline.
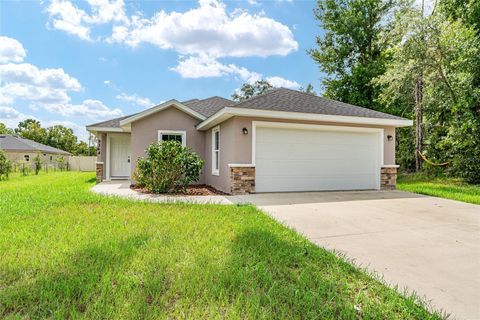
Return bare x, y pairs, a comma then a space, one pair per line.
389, 137
245, 131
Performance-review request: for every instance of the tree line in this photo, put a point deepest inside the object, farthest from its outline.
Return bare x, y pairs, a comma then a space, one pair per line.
56, 136
394, 57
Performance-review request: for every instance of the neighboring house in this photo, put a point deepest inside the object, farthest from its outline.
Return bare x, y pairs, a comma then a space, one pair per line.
20, 150
282, 140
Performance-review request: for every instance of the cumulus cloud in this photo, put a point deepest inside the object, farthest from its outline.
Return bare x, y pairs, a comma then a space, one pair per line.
282, 82
209, 29
26, 81
134, 98
90, 108
11, 117
204, 67
11, 50
65, 16
46, 89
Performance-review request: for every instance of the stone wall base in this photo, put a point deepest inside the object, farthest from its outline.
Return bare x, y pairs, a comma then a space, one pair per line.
242, 180
388, 178
99, 171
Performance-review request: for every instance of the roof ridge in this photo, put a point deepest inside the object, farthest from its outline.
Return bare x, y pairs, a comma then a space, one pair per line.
263, 94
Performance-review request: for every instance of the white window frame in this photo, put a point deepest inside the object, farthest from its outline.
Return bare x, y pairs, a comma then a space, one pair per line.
173, 132
216, 171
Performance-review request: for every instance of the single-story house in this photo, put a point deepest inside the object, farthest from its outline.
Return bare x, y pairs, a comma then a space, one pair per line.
21, 150
282, 140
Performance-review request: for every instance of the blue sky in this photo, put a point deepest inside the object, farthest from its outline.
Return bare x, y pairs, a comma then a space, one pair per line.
77, 63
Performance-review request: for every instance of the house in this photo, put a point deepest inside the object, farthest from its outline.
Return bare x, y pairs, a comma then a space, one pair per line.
282, 140
21, 150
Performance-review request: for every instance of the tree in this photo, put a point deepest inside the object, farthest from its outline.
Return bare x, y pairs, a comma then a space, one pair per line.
61, 137
32, 129
352, 51
309, 89
5, 166
445, 55
83, 149
248, 90
5, 130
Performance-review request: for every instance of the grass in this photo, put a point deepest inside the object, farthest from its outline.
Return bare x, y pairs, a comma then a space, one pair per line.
442, 187
68, 253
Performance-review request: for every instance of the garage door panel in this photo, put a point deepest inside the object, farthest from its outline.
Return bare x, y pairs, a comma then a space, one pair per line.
310, 160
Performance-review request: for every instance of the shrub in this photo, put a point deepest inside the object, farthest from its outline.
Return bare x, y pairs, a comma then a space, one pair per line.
5, 166
168, 167
61, 163
37, 164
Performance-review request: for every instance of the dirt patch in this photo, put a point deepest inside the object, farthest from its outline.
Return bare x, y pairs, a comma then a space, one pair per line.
196, 190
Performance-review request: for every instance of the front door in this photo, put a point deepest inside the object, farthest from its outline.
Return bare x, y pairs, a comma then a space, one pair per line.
119, 155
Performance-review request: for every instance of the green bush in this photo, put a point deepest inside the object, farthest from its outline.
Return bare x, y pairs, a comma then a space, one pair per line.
5, 166
168, 167
37, 163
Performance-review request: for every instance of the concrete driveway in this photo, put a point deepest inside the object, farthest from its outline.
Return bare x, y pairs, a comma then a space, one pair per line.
428, 245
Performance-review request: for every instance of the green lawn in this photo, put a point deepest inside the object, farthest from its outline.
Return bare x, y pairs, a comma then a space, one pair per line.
442, 187
68, 253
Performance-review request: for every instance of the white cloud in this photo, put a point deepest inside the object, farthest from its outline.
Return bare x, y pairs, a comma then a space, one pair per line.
211, 30
106, 81
46, 89
26, 81
11, 117
282, 82
205, 67
11, 50
65, 16
90, 108
144, 102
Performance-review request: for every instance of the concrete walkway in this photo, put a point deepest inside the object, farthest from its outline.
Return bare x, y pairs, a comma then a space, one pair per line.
121, 188
426, 244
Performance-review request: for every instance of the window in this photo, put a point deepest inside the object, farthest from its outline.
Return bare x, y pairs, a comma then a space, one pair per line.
26, 157
216, 151
168, 135
51, 158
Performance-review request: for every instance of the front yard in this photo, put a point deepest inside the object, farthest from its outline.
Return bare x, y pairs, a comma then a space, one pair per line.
443, 187
68, 253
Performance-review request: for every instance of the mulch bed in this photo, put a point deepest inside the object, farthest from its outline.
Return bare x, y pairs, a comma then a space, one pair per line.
195, 190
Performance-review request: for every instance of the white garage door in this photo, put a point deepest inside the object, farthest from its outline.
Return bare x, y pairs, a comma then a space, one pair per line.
316, 158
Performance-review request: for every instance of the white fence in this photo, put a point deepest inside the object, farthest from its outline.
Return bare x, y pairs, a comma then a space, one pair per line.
82, 163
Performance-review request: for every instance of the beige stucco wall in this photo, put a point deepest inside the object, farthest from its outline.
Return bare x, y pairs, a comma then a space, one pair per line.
236, 148
145, 131
17, 157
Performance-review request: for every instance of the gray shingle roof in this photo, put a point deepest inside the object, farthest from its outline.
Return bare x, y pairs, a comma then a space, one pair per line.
9, 142
279, 99
209, 106
282, 99
112, 123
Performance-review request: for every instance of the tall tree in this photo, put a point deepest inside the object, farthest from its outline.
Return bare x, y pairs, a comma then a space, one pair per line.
352, 50
445, 55
248, 90
32, 129
309, 89
62, 138
4, 129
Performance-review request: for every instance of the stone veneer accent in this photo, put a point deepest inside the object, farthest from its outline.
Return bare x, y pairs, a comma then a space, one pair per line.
242, 179
388, 178
99, 170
